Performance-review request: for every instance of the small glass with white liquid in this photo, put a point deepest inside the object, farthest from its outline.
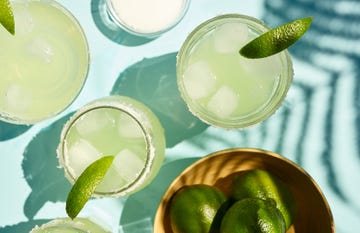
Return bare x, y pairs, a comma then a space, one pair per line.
118, 126
220, 86
147, 18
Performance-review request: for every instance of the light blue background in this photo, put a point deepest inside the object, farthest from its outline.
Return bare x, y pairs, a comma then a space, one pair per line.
318, 126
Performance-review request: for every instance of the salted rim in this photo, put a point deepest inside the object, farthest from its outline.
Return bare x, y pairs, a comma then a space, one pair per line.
120, 104
267, 109
67, 223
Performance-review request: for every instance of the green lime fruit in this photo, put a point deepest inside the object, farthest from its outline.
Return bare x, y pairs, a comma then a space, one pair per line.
261, 184
197, 209
7, 16
277, 39
253, 215
86, 184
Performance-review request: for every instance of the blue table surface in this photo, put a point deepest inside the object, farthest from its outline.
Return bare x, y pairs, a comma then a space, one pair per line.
318, 126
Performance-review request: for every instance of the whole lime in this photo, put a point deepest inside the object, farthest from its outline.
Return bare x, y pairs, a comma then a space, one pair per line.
197, 209
262, 184
253, 215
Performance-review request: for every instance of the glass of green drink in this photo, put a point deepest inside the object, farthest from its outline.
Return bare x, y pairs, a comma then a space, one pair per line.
119, 126
66, 225
44, 65
223, 88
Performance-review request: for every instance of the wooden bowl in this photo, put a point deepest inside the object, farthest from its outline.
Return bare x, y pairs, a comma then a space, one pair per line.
217, 169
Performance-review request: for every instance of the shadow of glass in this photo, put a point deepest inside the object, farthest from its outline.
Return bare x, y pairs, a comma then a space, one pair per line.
40, 168
141, 207
153, 82
23, 227
108, 28
9, 131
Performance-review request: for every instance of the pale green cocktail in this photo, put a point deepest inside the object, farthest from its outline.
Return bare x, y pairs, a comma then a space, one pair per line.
220, 86
118, 126
44, 66
66, 225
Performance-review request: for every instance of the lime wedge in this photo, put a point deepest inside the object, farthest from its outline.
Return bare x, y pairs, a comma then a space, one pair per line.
277, 39
7, 16
86, 184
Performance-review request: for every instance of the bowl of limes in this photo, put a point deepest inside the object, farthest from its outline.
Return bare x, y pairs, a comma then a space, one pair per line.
244, 190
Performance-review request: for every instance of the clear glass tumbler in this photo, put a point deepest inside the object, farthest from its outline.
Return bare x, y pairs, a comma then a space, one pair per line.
220, 86
44, 65
118, 126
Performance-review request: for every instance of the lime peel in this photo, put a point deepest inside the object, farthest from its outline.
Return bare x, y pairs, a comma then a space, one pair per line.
276, 39
7, 16
86, 184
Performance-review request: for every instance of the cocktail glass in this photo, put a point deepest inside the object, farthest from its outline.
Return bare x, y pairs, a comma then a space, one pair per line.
66, 225
223, 88
44, 65
119, 126
146, 18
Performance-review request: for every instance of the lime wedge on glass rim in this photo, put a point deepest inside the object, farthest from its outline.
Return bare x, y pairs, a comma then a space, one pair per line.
276, 39
7, 16
86, 184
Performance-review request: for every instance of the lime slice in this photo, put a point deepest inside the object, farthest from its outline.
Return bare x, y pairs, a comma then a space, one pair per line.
277, 39
86, 184
7, 16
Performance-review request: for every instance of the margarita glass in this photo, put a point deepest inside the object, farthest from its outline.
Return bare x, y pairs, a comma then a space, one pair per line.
146, 18
66, 225
44, 65
119, 126
220, 86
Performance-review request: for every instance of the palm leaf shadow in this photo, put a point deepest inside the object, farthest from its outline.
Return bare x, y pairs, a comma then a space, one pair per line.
330, 26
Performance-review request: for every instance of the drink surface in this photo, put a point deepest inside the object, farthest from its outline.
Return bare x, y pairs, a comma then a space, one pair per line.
66, 225
147, 16
44, 66
107, 131
115, 126
218, 84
